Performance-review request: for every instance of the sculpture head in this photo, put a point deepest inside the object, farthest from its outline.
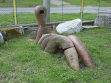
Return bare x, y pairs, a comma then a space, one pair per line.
40, 12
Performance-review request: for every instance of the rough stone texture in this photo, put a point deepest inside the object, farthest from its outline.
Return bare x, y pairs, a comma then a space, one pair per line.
39, 34
20, 30
83, 51
70, 26
90, 27
72, 57
4, 35
45, 42
43, 37
57, 41
1, 39
103, 20
41, 12
33, 35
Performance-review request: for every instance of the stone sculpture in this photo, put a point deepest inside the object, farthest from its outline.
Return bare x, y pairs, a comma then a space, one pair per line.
52, 42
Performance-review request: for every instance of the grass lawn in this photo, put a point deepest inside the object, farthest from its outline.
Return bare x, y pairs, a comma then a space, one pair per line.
33, 3
23, 61
103, 3
30, 18
21, 3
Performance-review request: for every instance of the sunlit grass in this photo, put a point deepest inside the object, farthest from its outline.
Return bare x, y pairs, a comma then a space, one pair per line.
103, 3
33, 3
23, 61
31, 18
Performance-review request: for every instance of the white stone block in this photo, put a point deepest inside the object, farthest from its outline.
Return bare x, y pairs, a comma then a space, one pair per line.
70, 26
1, 39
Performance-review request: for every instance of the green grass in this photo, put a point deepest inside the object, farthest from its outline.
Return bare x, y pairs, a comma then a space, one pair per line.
103, 3
6, 19
33, 3
21, 3
23, 61
30, 18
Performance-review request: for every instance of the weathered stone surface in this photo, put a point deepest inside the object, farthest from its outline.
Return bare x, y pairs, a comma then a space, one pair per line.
39, 34
54, 29
57, 41
103, 20
45, 42
1, 39
70, 26
45, 36
90, 27
33, 35
83, 51
72, 57
20, 30
4, 34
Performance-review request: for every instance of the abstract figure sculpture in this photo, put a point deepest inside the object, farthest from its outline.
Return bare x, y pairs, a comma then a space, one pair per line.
52, 42
40, 12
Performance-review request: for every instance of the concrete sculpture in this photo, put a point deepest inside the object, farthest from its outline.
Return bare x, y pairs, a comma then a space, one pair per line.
52, 42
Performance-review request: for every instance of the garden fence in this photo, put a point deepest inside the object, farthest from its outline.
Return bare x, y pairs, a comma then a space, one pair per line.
24, 10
